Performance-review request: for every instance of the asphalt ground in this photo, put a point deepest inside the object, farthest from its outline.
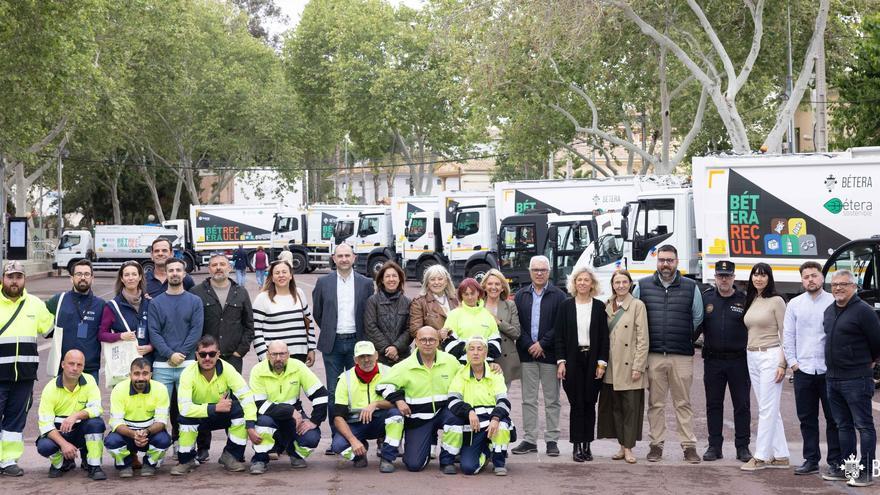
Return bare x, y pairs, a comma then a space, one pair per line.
532, 473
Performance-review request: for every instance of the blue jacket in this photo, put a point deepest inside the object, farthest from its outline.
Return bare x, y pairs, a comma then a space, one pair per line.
239, 259
134, 318
551, 300
76, 308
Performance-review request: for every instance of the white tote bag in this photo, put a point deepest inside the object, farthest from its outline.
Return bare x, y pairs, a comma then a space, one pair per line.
118, 355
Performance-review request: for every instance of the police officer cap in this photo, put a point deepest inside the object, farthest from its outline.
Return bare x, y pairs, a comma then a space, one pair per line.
725, 267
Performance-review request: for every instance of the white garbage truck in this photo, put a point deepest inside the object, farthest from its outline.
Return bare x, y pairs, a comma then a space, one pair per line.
108, 246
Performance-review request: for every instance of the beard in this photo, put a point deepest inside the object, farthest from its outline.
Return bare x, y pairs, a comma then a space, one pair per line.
82, 286
12, 291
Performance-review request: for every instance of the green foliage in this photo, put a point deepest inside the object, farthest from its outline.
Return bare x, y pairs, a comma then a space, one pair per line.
855, 116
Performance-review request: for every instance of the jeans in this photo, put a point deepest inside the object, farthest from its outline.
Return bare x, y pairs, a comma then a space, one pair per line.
337, 361
850, 401
170, 377
240, 277
261, 277
809, 392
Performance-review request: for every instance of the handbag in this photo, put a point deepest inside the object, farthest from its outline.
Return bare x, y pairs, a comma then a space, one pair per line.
54, 362
118, 355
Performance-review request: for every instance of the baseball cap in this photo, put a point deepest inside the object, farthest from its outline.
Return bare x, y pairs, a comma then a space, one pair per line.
364, 347
725, 267
13, 266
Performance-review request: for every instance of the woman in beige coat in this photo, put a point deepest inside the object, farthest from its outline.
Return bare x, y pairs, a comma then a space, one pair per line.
497, 302
435, 301
622, 403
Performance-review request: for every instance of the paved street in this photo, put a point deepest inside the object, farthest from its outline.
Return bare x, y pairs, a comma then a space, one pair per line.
529, 473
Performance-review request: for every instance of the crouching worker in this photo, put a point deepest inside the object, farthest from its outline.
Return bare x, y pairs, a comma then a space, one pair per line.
205, 399
277, 383
70, 420
478, 400
138, 414
359, 412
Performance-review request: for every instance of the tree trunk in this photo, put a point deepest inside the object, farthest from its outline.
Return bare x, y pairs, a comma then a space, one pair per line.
114, 199
665, 117
175, 205
150, 180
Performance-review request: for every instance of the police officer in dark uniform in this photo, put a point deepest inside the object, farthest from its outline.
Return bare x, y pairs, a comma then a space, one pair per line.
724, 361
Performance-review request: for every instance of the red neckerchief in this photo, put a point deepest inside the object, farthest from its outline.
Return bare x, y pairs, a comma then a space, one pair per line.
366, 376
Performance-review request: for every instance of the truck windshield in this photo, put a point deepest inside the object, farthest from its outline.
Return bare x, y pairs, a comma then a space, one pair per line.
861, 259
417, 228
368, 225
68, 241
466, 223
517, 246
654, 224
571, 240
343, 230
609, 250
286, 224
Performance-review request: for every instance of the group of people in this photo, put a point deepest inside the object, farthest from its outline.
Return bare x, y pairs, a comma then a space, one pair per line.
434, 369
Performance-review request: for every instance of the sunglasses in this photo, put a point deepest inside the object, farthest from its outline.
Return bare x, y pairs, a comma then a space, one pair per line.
211, 354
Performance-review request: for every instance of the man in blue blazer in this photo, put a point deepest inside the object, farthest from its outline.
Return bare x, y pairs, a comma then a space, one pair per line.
338, 303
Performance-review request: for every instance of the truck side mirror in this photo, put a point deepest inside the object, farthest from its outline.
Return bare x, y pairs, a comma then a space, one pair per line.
624, 228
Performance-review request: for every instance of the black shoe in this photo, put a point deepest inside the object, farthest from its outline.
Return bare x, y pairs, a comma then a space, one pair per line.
525, 448
448, 469
585, 451
863, 479
712, 454
360, 461
577, 453
329, 451
97, 474
834, 473
807, 468
743, 454
55, 472
552, 449
203, 455
12, 470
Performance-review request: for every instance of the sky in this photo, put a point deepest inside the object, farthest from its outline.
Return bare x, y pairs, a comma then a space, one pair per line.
293, 10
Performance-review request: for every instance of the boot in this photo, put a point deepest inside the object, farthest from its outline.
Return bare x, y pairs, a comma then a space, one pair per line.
585, 452
577, 453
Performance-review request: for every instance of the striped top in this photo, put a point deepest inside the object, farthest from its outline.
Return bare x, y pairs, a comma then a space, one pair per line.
282, 320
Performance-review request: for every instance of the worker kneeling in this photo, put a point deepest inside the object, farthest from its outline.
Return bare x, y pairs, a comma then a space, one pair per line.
418, 387
138, 415
478, 399
70, 419
205, 399
359, 412
276, 383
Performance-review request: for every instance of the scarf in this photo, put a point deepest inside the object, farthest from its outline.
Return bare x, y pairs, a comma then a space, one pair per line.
366, 376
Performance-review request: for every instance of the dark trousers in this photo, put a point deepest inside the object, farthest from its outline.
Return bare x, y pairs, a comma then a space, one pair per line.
285, 438
15, 401
85, 435
418, 440
123, 449
850, 401
720, 375
363, 432
809, 391
233, 422
582, 389
335, 362
203, 442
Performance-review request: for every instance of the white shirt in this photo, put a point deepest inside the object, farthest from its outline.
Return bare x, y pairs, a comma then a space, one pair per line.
803, 334
584, 315
345, 323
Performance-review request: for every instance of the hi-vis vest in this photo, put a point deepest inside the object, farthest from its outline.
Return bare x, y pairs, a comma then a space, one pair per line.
352, 392
136, 410
424, 390
19, 358
57, 403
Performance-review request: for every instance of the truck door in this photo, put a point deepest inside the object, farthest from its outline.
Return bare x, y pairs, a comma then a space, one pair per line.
654, 223
861, 258
571, 239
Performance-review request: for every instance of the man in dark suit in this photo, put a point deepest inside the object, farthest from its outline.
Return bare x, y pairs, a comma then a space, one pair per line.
338, 303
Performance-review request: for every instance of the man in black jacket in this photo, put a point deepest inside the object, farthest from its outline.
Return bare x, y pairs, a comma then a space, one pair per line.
537, 304
228, 318
852, 345
675, 310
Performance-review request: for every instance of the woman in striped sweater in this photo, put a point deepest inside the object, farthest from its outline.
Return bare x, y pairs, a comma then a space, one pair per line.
281, 312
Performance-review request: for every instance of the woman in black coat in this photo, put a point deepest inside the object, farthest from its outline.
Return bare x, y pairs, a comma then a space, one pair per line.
581, 335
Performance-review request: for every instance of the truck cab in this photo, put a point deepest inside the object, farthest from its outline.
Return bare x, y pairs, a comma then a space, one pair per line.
422, 244
520, 238
75, 245
862, 258
472, 245
374, 241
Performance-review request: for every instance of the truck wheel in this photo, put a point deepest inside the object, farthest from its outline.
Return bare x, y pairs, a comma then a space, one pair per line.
375, 265
189, 263
300, 264
478, 271
420, 270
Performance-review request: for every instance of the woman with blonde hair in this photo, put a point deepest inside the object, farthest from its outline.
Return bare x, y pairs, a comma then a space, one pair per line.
622, 402
581, 337
498, 303
434, 302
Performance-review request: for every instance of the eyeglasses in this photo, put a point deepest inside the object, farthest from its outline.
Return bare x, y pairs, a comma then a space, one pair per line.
667, 261
427, 341
82, 275
211, 354
841, 285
